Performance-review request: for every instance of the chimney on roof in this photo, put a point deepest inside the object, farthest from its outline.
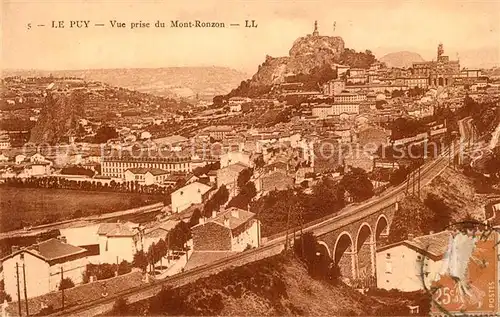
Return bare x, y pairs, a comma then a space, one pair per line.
235, 213
63, 239
201, 220
226, 222
14, 248
214, 213
411, 236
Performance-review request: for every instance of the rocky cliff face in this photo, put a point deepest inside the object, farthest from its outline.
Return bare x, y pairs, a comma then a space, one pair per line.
306, 53
58, 119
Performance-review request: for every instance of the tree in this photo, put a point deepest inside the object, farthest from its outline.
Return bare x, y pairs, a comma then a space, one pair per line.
247, 192
413, 217
140, 260
124, 267
397, 93
442, 213
398, 176
105, 133
259, 162
195, 218
120, 307
66, 283
357, 184
244, 177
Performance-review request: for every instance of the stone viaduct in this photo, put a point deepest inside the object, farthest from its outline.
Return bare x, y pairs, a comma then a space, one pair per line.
353, 246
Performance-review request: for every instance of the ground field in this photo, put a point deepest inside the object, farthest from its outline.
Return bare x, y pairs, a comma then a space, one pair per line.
21, 207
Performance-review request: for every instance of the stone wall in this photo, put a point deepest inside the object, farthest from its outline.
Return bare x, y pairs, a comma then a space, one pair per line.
211, 236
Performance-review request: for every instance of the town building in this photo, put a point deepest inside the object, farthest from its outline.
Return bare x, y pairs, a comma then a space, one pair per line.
36, 169
4, 141
146, 176
117, 242
275, 180
228, 176
233, 157
348, 108
40, 266
412, 264
116, 166
219, 133
18, 159
235, 103
184, 197
233, 229
440, 73
333, 87
357, 76
154, 234
349, 98
322, 111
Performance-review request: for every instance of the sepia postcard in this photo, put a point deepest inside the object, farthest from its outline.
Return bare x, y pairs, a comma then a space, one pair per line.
250, 158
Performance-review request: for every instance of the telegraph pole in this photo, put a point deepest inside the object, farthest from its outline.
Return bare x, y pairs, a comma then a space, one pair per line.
413, 184
25, 291
62, 288
18, 291
287, 225
419, 181
408, 183
301, 231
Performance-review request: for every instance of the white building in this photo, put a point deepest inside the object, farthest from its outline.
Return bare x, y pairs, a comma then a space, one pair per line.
36, 169
4, 141
234, 157
146, 176
322, 111
401, 265
349, 97
37, 157
40, 265
117, 242
20, 158
235, 103
194, 193
345, 108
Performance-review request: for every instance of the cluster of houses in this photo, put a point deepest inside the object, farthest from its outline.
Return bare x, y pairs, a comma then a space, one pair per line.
42, 266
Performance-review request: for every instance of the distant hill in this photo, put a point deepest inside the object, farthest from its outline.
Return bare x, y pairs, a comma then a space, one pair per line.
173, 82
401, 59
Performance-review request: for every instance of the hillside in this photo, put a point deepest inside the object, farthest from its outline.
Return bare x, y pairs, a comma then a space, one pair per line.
174, 82
275, 286
401, 59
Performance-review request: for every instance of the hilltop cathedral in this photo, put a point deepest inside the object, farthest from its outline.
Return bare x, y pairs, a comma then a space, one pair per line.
441, 72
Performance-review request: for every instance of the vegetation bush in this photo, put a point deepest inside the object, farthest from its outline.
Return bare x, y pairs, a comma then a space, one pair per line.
206, 296
66, 283
319, 264
120, 308
105, 270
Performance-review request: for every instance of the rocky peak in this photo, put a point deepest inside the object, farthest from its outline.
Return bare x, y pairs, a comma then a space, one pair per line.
307, 52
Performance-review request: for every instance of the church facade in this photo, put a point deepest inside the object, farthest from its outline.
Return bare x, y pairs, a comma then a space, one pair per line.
440, 73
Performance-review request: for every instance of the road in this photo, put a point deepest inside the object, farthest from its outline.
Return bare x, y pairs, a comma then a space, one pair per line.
272, 247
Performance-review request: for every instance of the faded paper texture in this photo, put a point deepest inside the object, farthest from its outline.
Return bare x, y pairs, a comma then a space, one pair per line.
230, 158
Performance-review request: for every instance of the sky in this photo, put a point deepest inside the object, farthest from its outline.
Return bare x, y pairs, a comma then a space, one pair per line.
383, 26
